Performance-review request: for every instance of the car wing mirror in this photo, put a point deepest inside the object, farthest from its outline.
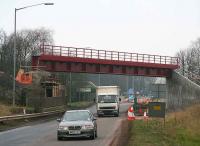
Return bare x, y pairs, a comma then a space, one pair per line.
94, 118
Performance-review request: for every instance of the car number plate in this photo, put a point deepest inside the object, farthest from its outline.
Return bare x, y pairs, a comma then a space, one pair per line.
75, 132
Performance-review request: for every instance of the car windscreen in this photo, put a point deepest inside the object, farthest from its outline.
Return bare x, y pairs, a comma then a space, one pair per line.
107, 99
76, 116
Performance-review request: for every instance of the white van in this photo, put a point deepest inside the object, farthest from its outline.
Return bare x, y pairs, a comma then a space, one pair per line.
108, 101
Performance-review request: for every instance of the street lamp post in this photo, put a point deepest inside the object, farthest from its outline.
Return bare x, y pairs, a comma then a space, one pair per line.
14, 51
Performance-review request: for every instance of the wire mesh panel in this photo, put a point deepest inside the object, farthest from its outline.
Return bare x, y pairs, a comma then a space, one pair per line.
181, 92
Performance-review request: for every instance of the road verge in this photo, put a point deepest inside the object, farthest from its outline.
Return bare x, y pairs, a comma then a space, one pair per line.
121, 134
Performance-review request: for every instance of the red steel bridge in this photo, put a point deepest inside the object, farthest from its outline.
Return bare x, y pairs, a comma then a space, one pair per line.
84, 60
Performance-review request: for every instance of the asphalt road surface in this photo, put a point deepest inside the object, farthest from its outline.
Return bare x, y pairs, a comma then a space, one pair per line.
45, 134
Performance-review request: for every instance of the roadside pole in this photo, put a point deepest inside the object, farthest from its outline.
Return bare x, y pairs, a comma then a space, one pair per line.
70, 93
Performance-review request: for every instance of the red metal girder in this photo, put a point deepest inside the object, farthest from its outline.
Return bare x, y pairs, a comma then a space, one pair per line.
105, 69
129, 70
91, 68
60, 66
35, 60
141, 71
76, 67
101, 61
117, 69
87, 65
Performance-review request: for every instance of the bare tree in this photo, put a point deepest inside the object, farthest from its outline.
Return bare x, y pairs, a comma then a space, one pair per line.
182, 55
190, 61
3, 38
28, 44
196, 46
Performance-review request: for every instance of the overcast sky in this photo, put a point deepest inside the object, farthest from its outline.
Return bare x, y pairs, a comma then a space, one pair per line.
140, 26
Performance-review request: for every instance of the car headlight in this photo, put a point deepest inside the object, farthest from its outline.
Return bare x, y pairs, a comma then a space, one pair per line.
88, 126
62, 128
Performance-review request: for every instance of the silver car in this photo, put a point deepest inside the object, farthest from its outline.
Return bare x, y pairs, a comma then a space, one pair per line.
77, 123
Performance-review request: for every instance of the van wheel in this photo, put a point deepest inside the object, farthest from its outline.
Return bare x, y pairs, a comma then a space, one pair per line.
117, 114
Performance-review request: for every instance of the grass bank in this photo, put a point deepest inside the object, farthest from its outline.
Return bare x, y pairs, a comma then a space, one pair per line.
181, 129
7, 110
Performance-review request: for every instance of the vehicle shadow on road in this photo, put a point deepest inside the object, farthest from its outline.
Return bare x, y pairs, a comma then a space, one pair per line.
77, 139
108, 116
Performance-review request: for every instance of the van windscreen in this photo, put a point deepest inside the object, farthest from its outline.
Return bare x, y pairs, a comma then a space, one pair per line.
107, 99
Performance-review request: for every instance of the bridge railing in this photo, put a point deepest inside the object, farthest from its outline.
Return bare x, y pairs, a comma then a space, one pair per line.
107, 55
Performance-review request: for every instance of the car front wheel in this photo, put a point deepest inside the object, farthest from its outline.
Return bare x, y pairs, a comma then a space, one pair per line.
93, 135
96, 133
59, 138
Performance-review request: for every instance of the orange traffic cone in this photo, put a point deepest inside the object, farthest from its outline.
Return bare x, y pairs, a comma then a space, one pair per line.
131, 115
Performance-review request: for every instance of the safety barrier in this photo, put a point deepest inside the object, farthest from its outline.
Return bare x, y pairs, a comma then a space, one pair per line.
28, 116
106, 55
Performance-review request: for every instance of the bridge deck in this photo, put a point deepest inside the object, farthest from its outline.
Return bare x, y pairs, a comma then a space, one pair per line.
49, 53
